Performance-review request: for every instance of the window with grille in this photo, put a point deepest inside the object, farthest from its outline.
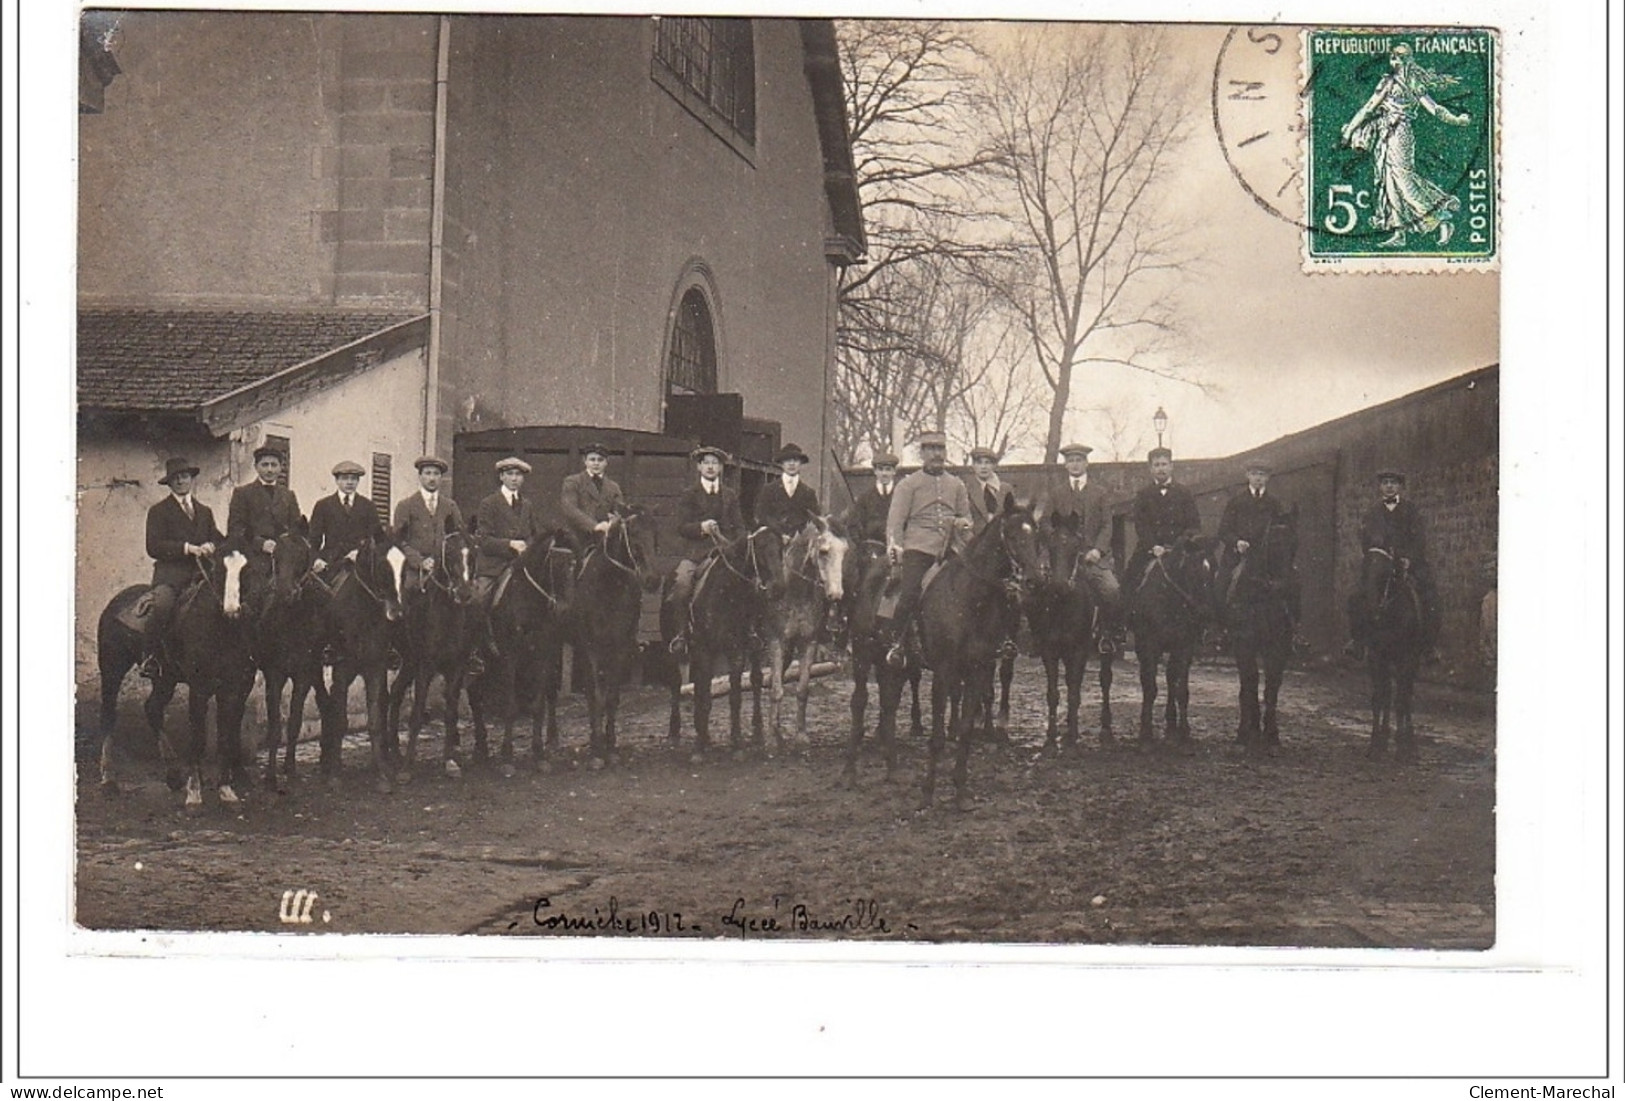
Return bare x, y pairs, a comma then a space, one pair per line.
379, 485
714, 62
691, 365
284, 446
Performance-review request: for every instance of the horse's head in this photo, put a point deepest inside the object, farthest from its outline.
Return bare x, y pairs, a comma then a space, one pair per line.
1382, 569
379, 563
231, 591
1060, 546
759, 556
1018, 540
819, 547
629, 543
454, 567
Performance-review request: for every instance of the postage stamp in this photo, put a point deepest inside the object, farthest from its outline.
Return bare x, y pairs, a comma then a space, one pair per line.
1399, 149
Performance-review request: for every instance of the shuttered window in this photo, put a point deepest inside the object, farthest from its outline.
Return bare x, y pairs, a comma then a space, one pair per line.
381, 465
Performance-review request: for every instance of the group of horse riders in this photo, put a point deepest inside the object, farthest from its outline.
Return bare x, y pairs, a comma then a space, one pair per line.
919, 521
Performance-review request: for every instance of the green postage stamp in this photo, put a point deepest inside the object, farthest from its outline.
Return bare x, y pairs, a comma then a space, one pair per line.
1400, 135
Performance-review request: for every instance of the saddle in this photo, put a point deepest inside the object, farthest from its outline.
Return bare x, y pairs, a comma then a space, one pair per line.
137, 612
890, 595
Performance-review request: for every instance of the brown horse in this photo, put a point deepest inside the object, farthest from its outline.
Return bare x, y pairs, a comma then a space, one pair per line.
1394, 650
867, 572
608, 603
1167, 611
364, 605
961, 621
1258, 623
814, 565
1063, 615
435, 642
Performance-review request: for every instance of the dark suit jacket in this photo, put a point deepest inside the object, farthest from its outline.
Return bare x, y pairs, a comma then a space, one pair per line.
979, 514
336, 531
1160, 519
866, 518
168, 531
498, 524
696, 505
1247, 517
421, 532
1057, 498
1401, 532
584, 505
785, 514
259, 512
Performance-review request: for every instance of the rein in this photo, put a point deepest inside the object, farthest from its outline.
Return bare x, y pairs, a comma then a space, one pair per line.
1172, 584
524, 571
626, 540
750, 553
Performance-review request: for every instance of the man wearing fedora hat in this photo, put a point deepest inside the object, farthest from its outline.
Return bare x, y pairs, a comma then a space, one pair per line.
342, 521
423, 520
930, 511
1395, 525
865, 518
786, 503
1248, 516
707, 512
589, 498
1070, 493
261, 510
181, 532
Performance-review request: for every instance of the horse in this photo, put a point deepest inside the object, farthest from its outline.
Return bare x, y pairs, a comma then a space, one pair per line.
961, 618
608, 603
1166, 613
285, 616
521, 646
867, 572
435, 642
814, 568
1063, 614
362, 610
208, 653
1394, 650
1258, 622
731, 588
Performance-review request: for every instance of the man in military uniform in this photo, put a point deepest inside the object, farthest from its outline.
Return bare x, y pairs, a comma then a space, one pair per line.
865, 520
180, 533
929, 510
786, 503
341, 522
1396, 526
707, 512
1248, 516
986, 495
1069, 493
589, 498
261, 510
422, 522
1164, 513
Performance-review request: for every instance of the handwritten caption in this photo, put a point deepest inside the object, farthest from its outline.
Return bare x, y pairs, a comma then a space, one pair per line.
779, 917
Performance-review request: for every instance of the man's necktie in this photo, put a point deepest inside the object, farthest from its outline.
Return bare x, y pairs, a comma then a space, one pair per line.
515, 502
186, 503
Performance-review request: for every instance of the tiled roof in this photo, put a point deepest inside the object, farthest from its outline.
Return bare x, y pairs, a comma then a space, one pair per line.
176, 360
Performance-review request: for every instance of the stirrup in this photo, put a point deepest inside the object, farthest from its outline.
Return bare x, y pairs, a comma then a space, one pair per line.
897, 656
1007, 648
150, 668
475, 665
1108, 643
677, 647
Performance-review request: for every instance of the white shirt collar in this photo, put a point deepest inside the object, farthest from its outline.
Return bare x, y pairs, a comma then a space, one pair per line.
429, 495
509, 494
1078, 480
790, 481
710, 484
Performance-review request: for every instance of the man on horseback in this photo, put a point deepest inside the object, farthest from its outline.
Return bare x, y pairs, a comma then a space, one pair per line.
786, 503
507, 523
1164, 512
986, 493
1248, 517
1070, 494
1395, 526
262, 509
707, 512
928, 512
180, 533
865, 519
589, 498
422, 522
342, 521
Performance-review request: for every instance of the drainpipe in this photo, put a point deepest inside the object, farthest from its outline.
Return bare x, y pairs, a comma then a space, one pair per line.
437, 236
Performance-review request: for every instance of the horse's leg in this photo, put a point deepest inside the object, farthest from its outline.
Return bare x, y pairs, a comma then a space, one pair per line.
1179, 689
1077, 666
1247, 725
552, 686
1148, 659
977, 696
754, 656
699, 668
374, 682
859, 704
113, 662
939, 704
452, 680
1007, 673
230, 704
508, 688
674, 717
197, 718
736, 704
1052, 696
596, 745
890, 682
1107, 738
1274, 671
478, 697
804, 690
154, 707
1376, 668
1404, 685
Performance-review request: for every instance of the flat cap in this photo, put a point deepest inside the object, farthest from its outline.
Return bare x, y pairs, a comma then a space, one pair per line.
265, 449
701, 452
594, 447
513, 462
885, 458
432, 460
1077, 449
1391, 476
348, 467
983, 453
1256, 466
1159, 453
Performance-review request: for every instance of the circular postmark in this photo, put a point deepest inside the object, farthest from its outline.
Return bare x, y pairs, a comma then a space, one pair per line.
1258, 117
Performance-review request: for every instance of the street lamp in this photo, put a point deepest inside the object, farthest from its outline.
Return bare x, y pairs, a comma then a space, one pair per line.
1159, 421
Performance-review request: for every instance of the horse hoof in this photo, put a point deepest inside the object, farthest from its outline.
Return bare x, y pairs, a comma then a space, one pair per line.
384, 786
228, 796
403, 776
453, 770
174, 779
508, 771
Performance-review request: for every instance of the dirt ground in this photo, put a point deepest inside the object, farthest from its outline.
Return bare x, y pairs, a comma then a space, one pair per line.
1314, 847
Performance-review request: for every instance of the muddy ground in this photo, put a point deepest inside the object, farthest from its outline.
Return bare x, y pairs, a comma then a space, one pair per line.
1315, 847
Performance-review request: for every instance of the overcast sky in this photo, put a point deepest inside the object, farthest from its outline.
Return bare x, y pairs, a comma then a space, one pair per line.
1283, 350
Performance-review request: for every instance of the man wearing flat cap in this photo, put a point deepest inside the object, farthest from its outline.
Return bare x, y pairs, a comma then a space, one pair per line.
786, 503
1164, 513
1243, 528
1395, 525
423, 520
707, 512
180, 533
986, 493
929, 514
262, 510
589, 498
507, 523
342, 521
1068, 497
865, 519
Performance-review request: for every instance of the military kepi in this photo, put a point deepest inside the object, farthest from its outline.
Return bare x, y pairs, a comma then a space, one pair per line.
933, 439
348, 467
513, 462
176, 466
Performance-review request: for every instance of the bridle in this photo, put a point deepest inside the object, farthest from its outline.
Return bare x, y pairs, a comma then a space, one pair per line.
618, 526
1016, 575
524, 571
751, 555
1159, 565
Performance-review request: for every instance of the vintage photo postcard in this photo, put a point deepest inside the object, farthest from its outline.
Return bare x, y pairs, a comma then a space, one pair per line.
690, 488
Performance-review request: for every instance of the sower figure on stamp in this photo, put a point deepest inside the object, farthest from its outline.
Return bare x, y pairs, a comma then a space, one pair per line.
707, 513
986, 493
589, 498
865, 518
1247, 518
929, 511
180, 533
1164, 512
261, 510
1395, 526
786, 503
1068, 493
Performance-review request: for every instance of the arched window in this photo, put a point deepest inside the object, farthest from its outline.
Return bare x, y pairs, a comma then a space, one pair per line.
691, 364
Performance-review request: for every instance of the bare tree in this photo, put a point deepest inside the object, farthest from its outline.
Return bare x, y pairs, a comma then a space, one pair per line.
1085, 121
